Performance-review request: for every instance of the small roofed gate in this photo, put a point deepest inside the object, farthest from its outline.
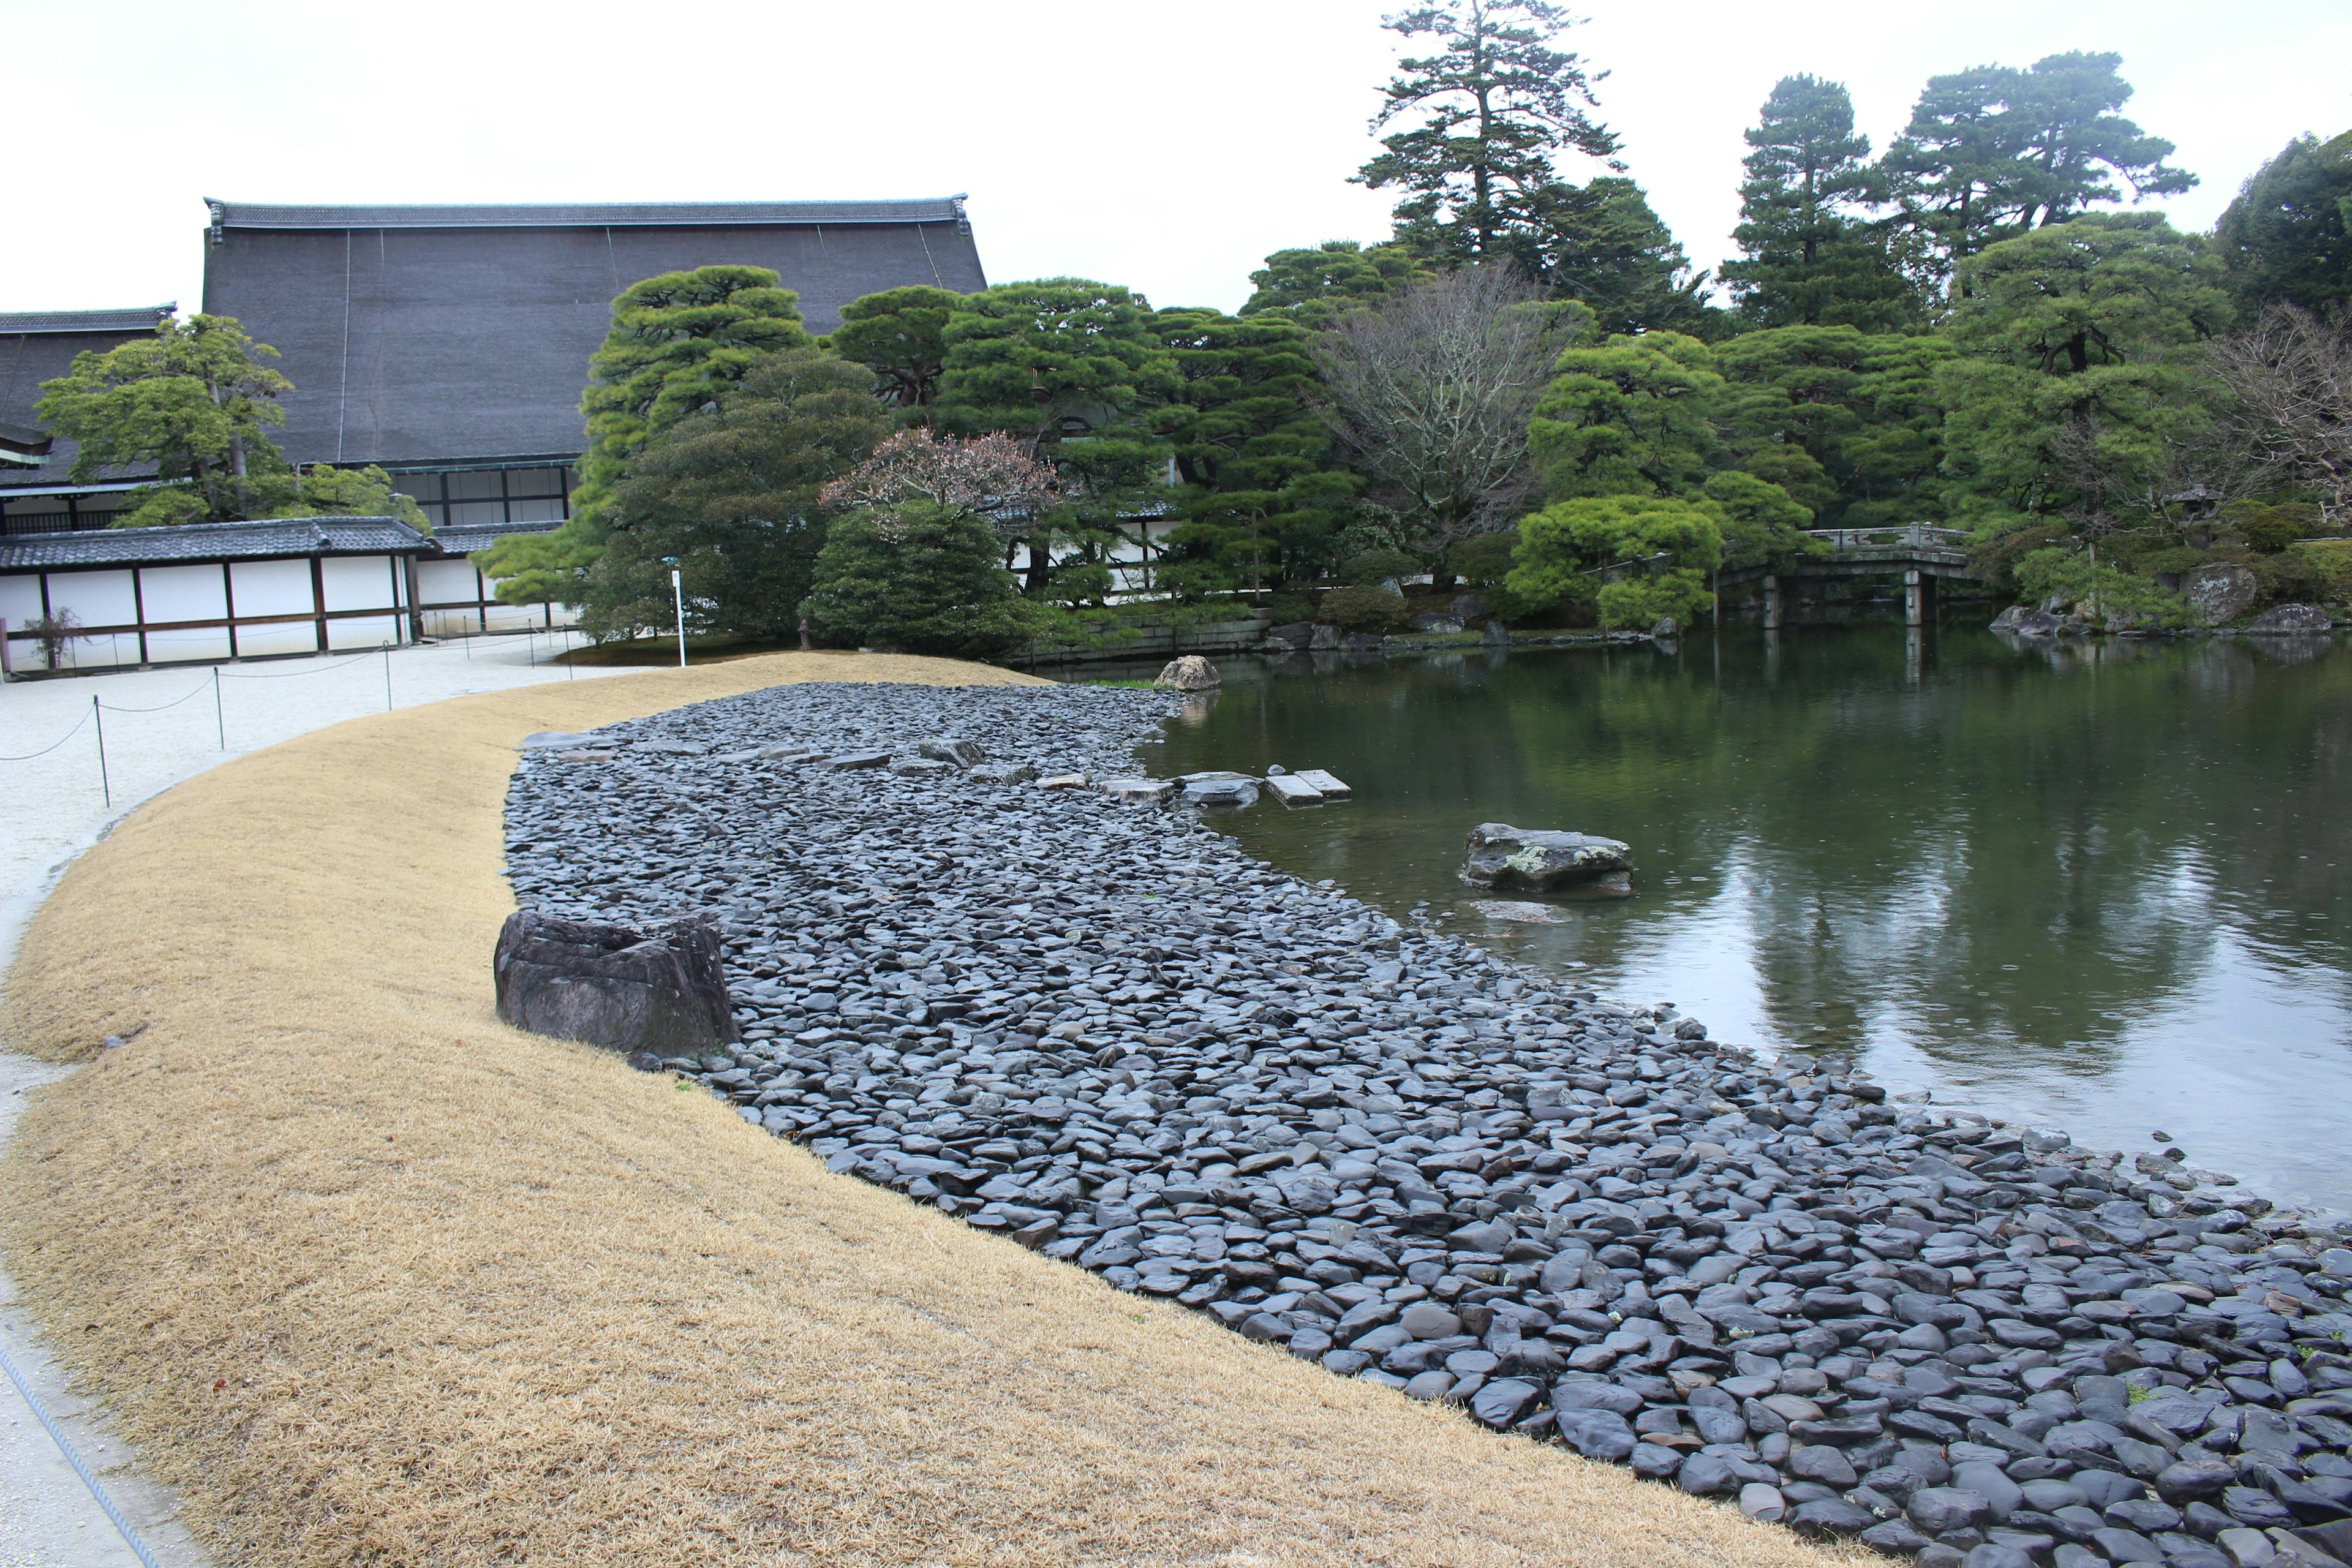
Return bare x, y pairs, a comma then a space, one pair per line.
120, 597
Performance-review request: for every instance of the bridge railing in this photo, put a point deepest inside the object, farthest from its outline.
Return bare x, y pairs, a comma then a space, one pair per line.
1910, 536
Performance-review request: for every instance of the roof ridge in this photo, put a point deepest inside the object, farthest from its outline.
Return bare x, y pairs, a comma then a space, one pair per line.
122, 318
227, 214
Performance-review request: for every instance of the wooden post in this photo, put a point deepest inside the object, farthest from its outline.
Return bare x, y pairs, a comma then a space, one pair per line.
317, 602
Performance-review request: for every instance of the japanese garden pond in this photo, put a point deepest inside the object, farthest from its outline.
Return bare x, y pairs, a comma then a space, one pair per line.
2105, 885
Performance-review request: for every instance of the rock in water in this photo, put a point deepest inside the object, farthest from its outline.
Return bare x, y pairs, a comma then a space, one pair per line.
1139, 791
1325, 784
1435, 622
2019, 621
1291, 790
1520, 913
1666, 629
661, 991
1189, 673
1495, 635
1501, 855
2289, 620
2220, 591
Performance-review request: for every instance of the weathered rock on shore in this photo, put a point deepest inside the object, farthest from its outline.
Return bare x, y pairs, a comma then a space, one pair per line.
1539, 861
660, 991
1104, 1030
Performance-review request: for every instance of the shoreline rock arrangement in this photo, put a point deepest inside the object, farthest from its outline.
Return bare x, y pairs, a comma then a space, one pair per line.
1101, 1029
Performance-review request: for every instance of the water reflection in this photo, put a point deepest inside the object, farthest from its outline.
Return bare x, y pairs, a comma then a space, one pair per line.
2091, 882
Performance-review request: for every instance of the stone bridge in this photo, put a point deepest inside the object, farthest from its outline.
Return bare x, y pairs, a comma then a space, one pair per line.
1922, 555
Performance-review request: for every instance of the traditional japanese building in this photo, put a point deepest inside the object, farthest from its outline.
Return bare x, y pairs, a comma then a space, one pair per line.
449, 344
36, 346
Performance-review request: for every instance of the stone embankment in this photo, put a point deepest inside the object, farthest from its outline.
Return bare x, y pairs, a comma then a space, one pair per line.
1104, 1030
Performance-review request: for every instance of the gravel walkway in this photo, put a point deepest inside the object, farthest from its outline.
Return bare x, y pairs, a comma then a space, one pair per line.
1102, 1029
56, 805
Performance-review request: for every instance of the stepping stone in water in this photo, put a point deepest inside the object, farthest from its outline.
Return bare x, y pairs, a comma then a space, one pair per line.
1292, 790
1327, 784
1513, 909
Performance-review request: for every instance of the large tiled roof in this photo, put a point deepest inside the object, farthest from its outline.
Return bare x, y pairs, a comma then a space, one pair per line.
135, 318
277, 539
426, 334
592, 215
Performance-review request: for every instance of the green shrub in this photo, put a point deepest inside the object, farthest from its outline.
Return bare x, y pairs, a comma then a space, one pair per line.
1482, 560
2332, 559
921, 577
1660, 548
2290, 577
2270, 528
2125, 599
1356, 608
1376, 566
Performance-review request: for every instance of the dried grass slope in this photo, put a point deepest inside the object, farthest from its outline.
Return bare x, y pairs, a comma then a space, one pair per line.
374, 1279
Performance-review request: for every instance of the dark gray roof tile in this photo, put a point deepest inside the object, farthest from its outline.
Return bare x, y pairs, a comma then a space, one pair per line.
277, 539
591, 214
136, 319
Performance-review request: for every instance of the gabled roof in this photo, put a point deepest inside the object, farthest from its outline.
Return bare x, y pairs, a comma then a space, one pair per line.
135, 318
590, 215
276, 539
421, 335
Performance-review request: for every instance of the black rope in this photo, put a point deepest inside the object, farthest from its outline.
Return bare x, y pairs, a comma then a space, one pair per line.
60, 740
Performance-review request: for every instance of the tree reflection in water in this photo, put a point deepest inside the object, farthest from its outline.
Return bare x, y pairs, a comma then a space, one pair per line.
2102, 884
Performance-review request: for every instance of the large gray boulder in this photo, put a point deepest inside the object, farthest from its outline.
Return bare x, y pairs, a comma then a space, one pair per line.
1539, 861
2019, 621
1298, 634
661, 991
1435, 623
2289, 621
2220, 591
1189, 673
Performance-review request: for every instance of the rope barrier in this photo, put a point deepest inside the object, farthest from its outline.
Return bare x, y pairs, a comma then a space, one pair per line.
321, 670
60, 740
204, 686
105, 1503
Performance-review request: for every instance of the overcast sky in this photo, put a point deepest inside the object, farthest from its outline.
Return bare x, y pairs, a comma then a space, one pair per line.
1165, 145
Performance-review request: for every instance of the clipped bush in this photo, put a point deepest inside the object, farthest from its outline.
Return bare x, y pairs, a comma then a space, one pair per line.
1356, 608
919, 577
2332, 560
2123, 599
1482, 560
1376, 566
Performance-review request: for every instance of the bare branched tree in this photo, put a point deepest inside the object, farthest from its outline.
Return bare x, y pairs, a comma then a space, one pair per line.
1432, 389
2290, 379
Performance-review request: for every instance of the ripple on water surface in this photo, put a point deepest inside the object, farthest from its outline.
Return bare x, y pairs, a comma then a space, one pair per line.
2105, 885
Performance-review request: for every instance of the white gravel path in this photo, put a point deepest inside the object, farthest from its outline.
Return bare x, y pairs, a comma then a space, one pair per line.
51, 808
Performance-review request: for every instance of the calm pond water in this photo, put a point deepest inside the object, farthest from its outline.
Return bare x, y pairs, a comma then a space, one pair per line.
2103, 887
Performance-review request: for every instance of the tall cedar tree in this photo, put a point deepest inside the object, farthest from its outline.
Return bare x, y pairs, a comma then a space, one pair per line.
194, 400
732, 493
1489, 113
1263, 492
2287, 237
676, 342
900, 334
1809, 258
1075, 369
1991, 153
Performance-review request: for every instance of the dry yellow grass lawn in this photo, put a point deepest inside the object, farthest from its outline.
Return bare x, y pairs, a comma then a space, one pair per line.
375, 1279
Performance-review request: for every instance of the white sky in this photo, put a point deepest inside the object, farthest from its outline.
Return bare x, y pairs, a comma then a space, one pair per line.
1164, 145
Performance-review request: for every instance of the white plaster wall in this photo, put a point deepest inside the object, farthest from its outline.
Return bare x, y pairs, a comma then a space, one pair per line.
182, 594
98, 598
270, 588
359, 583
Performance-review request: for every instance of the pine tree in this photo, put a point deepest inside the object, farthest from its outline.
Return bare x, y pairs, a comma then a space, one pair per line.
1494, 106
1991, 153
2287, 237
1810, 260
1602, 244
899, 334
